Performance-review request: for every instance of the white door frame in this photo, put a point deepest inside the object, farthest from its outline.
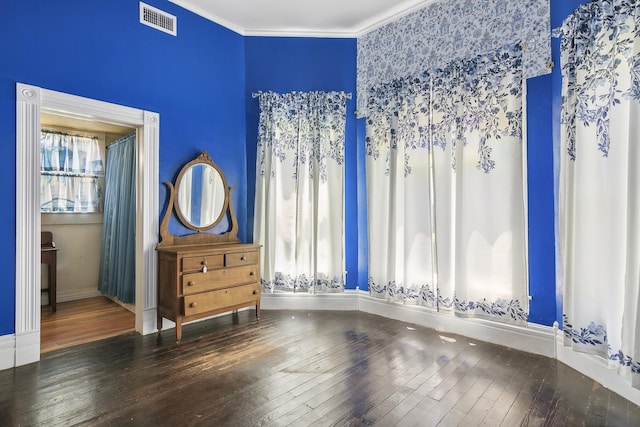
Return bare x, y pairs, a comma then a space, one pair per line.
30, 102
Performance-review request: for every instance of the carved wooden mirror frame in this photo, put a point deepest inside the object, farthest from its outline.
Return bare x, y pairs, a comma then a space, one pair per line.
200, 237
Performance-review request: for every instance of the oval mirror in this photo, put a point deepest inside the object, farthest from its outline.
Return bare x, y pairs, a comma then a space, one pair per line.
201, 200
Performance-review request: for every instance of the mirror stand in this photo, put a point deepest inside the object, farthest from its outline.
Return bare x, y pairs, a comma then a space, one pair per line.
204, 273
200, 237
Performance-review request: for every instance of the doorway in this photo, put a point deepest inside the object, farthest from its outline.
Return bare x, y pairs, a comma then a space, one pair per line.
74, 218
31, 101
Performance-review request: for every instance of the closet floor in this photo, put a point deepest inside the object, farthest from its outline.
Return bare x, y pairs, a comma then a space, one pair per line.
83, 321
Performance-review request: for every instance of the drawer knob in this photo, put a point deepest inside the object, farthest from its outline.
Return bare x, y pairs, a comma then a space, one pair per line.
255, 292
204, 262
243, 258
193, 305
204, 268
190, 283
252, 273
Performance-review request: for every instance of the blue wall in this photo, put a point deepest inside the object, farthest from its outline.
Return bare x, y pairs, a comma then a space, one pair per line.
201, 84
542, 273
98, 49
543, 111
305, 64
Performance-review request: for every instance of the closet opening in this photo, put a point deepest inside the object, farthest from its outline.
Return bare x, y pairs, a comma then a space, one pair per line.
74, 159
31, 103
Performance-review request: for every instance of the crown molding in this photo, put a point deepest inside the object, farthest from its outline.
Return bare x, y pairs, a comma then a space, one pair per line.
391, 15
190, 6
362, 28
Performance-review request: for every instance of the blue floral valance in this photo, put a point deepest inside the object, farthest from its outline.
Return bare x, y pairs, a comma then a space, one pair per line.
446, 31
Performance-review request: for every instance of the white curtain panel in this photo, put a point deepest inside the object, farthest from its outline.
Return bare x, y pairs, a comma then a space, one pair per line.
299, 209
398, 180
599, 182
445, 189
71, 173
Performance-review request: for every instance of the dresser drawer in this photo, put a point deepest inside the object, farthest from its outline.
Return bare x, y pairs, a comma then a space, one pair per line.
220, 299
215, 279
241, 258
195, 263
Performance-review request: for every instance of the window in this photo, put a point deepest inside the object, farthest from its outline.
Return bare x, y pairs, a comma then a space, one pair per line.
72, 173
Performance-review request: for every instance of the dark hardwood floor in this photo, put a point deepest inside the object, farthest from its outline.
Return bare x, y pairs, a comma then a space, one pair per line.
82, 321
303, 368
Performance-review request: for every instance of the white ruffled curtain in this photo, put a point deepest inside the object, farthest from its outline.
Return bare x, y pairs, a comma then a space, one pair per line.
71, 173
299, 208
599, 182
445, 189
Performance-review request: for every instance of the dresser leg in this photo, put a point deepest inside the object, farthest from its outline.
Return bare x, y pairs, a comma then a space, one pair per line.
159, 323
178, 330
258, 310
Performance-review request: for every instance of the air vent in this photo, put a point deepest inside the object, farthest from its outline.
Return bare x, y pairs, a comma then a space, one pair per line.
158, 19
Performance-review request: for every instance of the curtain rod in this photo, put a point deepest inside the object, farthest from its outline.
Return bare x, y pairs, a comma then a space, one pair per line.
257, 94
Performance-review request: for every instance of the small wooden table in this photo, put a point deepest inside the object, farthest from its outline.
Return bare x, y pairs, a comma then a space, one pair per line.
48, 256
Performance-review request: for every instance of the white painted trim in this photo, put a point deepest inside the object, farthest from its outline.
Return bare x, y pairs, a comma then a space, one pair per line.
389, 16
30, 102
384, 18
190, 6
148, 219
347, 301
77, 294
532, 338
327, 34
596, 368
27, 347
28, 268
7, 351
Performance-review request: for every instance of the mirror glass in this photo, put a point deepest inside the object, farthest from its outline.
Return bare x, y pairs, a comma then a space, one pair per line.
201, 195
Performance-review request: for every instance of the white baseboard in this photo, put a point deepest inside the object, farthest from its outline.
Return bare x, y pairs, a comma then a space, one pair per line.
7, 351
344, 301
27, 348
64, 296
149, 321
596, 368
532, 338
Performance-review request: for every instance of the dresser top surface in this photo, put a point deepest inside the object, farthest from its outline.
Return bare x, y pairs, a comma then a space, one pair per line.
209, 248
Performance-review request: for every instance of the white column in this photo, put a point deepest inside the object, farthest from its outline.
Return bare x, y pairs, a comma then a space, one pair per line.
27, 326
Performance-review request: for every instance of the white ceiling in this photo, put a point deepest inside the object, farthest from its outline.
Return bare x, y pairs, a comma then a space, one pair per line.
305, 18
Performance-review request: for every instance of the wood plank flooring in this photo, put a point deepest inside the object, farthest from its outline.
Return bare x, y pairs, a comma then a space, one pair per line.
303, 368
83, 321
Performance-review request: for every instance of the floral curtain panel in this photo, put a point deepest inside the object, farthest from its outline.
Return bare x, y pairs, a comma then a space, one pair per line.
71, 173
299, 205
599, 182
445, 189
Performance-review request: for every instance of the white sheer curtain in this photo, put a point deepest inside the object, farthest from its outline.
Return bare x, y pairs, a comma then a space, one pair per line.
71, 172
599, 182
445, 188
299, 208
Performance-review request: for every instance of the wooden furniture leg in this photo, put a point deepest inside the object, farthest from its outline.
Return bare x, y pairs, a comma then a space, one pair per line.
48, 256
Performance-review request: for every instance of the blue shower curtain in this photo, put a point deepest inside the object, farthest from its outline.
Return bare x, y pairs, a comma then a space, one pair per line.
117, 263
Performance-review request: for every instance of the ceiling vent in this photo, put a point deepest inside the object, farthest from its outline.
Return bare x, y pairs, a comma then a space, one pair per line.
158, 19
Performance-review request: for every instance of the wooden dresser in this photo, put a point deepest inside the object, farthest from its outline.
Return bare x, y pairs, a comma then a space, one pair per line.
204, 272
199, 281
